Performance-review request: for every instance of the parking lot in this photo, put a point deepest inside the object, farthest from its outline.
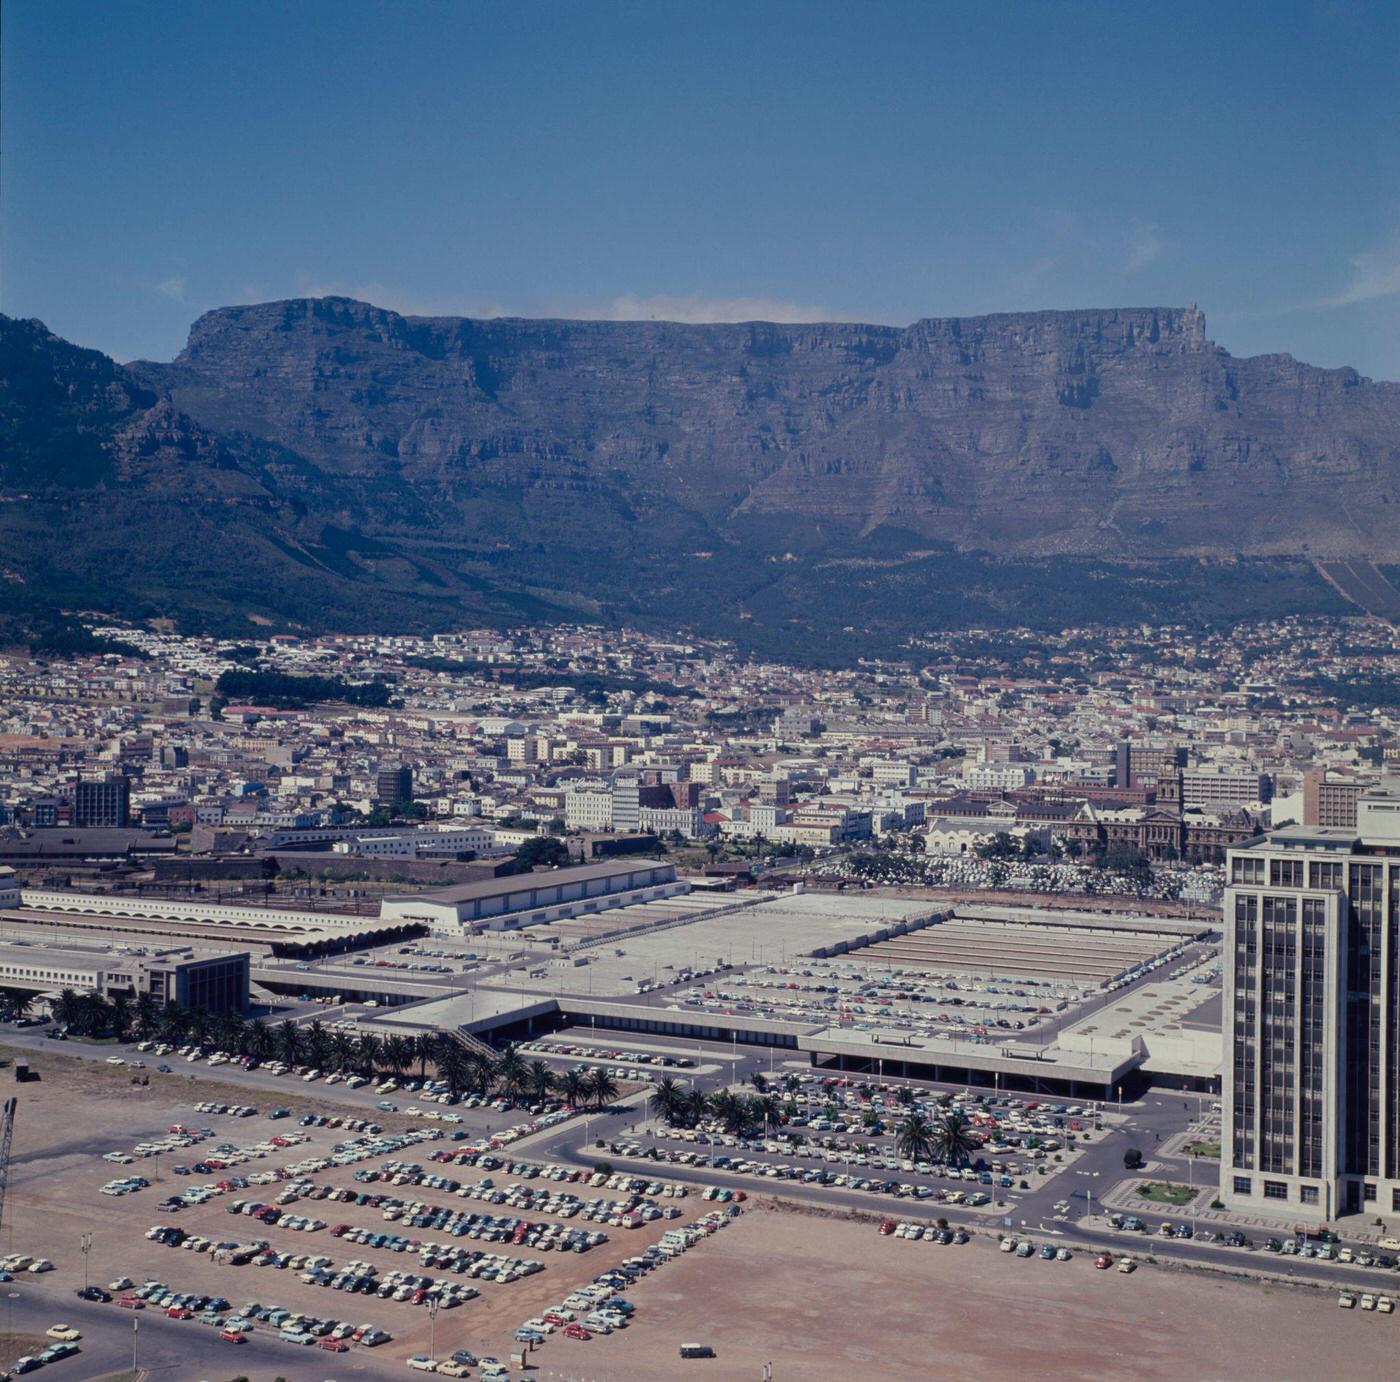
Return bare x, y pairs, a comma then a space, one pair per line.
304, 1234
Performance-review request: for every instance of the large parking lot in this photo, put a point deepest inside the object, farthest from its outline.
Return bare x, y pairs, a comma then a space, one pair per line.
306, 1229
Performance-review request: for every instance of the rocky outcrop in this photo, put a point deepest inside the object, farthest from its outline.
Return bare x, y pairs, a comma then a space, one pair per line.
1121, 431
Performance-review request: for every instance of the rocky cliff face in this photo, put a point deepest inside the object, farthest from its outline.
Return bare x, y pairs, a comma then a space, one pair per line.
1123, 432
814, 490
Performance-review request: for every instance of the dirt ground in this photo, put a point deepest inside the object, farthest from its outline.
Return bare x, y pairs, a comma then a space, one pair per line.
80, 1110
829, 1299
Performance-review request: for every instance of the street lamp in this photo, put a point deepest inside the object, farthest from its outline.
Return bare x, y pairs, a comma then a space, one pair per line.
85, 1247
432, 1326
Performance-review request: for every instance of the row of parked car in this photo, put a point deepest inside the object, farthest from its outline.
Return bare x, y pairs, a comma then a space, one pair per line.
597, 1054
234, 1325
931, 1233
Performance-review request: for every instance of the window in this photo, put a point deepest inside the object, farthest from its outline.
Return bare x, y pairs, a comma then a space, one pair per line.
1308, 1194
1368, 1192
1275, 1190
1243, 1185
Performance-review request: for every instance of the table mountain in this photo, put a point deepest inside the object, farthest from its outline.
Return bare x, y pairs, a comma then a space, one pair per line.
326, 463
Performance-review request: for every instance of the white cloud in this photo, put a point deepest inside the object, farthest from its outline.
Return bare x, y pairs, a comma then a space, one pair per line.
1145, 246
1375, 273
172, 288
697, 307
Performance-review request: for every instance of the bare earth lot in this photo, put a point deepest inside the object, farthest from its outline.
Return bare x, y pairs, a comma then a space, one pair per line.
820, 1298
829, 1299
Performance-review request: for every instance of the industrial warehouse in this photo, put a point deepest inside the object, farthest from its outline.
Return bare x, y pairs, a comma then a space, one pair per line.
1016, 997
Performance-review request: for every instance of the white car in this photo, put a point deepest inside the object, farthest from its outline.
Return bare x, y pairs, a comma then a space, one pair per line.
420, 1362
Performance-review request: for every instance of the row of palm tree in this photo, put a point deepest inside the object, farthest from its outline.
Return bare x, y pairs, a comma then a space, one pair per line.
947, 1137
463, 1071
680, 1107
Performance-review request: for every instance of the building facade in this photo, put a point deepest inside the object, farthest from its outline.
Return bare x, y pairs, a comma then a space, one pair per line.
1311, 1073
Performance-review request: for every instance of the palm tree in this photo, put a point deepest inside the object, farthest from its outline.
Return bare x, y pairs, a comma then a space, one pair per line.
914, 1138
791, 1083
539, 1080
759, 1081
174, 1024
96, 1014
425, 1048
511, 1071
228, 1031
367, 1054
68, 1009
767, 1110
485, 1072
147, 1016
397, 1054
17, 1005
575, 1086
344, 1049
694, 1108
318, 1044
731, 1110
200, 1025
258, 1040
120, 1016
602, 1088
952, 1139
668, 1099
290, 1043
455, 1067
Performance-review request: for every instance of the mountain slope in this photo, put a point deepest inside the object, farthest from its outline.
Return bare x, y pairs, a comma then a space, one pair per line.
815, 490
1120, 432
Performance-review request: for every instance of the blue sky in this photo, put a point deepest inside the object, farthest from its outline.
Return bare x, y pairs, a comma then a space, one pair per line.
869, 160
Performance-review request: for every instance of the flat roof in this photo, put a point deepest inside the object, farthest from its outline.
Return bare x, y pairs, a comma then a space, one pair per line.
518, 882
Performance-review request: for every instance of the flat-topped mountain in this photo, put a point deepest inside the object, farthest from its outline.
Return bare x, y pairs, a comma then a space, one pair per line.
326, 463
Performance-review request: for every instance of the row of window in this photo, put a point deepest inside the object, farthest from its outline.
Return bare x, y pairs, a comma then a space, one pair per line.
1278, 1190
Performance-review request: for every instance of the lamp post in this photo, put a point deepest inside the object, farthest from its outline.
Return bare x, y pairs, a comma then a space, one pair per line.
85, 1247
432, 1328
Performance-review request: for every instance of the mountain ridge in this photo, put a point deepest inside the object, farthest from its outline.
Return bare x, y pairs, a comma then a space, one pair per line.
324, 462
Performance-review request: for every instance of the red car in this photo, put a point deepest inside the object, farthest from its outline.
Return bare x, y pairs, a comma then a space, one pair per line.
887, 1227
231, 1336
334, 1345
1103, 1262
131, 1303
179, 1312
576, 1331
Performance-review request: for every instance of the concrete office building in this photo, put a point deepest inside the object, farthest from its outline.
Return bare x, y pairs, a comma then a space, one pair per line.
1330, 803
1311, 1074
104, 804
393, 784
216, 980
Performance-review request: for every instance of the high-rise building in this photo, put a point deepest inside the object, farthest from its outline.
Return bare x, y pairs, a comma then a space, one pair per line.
103, 803
393, 784
1311, 1075
1326, 802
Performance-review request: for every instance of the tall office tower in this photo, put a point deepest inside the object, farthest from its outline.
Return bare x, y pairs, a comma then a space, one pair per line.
106, 802
1311, 1072
393, 784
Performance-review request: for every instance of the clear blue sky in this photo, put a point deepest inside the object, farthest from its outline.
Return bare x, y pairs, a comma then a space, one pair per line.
867, 160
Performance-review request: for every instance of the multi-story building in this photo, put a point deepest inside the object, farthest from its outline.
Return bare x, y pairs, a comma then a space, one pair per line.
1312, 1020
1330, 803
103, 804
393, 784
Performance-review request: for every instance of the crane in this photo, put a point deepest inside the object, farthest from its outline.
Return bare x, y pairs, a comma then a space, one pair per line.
7, 1132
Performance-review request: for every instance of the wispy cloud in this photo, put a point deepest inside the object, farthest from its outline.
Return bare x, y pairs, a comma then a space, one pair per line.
172, 288
1145, 246
1375, 273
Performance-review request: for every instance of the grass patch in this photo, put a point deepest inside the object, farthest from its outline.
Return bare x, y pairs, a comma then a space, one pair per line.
1165, 1192
1202, 1149
15, 1346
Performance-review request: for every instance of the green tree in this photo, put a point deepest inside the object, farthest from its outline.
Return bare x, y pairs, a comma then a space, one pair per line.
914, 1137
602, 1088
541, 850
952, 1138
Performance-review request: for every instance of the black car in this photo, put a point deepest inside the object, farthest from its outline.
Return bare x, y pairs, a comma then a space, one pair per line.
94, 1293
